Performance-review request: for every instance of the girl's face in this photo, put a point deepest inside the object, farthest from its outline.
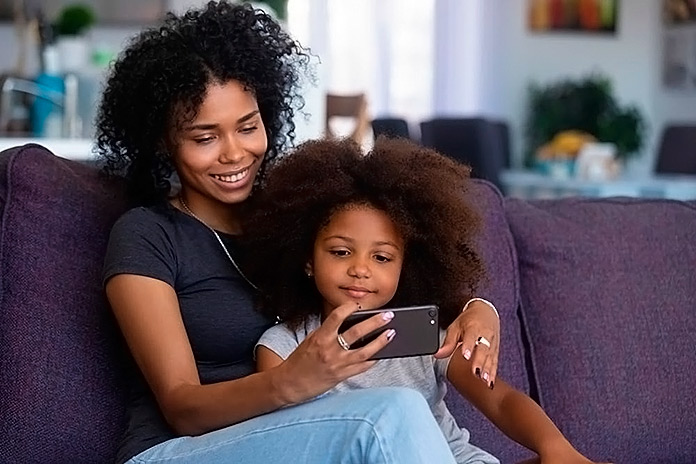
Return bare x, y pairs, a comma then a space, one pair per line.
357, 257
219, 153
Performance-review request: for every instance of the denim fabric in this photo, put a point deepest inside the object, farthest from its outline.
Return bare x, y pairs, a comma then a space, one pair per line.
376, 426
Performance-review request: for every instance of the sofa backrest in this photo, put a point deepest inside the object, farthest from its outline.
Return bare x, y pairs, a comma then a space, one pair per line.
502, 287
60, 398
608, 290
61, 392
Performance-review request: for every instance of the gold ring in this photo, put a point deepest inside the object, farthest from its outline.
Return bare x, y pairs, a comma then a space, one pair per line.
483, 341
342, 342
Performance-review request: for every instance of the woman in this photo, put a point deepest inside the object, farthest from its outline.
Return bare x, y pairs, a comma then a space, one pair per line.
210, 96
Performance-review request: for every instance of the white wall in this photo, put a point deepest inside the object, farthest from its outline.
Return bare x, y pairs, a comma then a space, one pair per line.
630, 59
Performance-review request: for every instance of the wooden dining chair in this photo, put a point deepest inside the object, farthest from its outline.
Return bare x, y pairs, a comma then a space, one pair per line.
351, 107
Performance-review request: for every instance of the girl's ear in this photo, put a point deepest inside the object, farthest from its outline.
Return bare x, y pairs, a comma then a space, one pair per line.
309, 269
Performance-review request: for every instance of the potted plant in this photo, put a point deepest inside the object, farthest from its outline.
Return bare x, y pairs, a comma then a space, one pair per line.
584, 106
279, 7
73, 21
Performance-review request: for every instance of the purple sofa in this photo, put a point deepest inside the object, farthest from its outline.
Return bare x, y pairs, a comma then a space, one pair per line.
597, 300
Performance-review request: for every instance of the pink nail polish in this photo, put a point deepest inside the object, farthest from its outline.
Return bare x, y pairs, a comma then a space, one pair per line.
467, 354
485, 376
388, 316
390, 334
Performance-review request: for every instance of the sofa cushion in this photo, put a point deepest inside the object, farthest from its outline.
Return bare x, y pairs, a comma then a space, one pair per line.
608, 289
498, 253
59, 395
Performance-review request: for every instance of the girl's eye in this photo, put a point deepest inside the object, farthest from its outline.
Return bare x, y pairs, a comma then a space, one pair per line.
339, 252
382, 259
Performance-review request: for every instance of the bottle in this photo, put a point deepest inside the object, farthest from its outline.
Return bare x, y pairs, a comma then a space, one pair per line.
46, 113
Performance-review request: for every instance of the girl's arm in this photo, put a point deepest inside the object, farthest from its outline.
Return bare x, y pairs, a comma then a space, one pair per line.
147, 311
515, 414
266, 359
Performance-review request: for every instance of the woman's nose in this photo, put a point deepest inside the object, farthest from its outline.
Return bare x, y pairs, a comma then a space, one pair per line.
231, 150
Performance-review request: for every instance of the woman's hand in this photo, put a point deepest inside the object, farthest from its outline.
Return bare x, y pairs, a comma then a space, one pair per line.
320, 362
479, 320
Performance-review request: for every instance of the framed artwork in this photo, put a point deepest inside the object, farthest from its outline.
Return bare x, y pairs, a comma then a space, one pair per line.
679, 11
679, 59
587, 16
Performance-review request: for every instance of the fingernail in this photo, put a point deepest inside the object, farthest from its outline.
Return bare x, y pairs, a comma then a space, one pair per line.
390, 334
388, 316
485, 376
491, 385
467, 354
478, 372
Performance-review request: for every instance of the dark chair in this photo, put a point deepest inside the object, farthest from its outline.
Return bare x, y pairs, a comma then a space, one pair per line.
502, 131
472, 141
677, 152
390, 127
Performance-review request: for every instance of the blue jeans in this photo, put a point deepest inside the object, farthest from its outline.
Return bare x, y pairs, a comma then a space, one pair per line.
374, 426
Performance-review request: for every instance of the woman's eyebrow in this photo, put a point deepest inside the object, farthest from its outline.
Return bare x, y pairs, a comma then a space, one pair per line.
208, 126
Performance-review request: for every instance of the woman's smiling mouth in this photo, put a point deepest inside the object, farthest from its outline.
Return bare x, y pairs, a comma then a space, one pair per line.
232, 178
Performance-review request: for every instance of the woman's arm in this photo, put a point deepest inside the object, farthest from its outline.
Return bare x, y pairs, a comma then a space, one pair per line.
477, 319
515, 414
148, 314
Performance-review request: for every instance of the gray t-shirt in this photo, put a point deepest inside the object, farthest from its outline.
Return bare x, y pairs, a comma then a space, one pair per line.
424, 374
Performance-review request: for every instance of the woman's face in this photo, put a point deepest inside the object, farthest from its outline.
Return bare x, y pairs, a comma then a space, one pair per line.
218, 154
357, 257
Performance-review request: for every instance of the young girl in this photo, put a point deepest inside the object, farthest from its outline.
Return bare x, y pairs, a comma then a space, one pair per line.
340, 229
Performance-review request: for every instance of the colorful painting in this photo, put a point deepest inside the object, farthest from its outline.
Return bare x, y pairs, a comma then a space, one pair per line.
595, 16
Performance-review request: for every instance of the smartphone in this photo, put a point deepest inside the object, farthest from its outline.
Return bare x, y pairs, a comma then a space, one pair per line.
417, 331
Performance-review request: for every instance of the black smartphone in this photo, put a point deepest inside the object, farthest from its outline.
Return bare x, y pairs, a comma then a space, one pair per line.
417, 331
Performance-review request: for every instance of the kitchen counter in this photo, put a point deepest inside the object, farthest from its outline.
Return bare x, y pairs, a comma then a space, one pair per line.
74, 149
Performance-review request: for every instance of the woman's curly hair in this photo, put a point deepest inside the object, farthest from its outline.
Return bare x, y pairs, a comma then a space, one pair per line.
419, 189
159, 82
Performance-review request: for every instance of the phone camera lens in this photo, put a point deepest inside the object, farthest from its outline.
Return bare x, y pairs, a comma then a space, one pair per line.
432, 321
431, 313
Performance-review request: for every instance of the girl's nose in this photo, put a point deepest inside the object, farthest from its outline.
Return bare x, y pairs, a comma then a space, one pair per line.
359, 269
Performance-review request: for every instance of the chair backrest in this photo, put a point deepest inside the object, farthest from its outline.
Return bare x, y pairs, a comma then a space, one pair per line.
677, 152
348, 106
472, 141
390, 127
502, 131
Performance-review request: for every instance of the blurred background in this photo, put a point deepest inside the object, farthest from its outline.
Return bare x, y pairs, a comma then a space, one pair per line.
544, 98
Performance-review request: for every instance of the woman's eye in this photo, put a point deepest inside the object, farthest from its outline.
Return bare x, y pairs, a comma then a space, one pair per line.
203, 140
249, 129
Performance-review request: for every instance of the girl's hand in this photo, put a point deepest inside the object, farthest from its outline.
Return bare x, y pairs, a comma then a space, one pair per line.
479, 320
320, 362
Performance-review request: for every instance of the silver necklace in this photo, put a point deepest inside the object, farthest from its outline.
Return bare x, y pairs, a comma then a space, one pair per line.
217, 236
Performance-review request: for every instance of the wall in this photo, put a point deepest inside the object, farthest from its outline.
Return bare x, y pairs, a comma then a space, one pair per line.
631, 58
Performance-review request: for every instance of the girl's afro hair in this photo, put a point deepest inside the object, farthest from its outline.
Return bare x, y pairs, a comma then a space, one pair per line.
423, 192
